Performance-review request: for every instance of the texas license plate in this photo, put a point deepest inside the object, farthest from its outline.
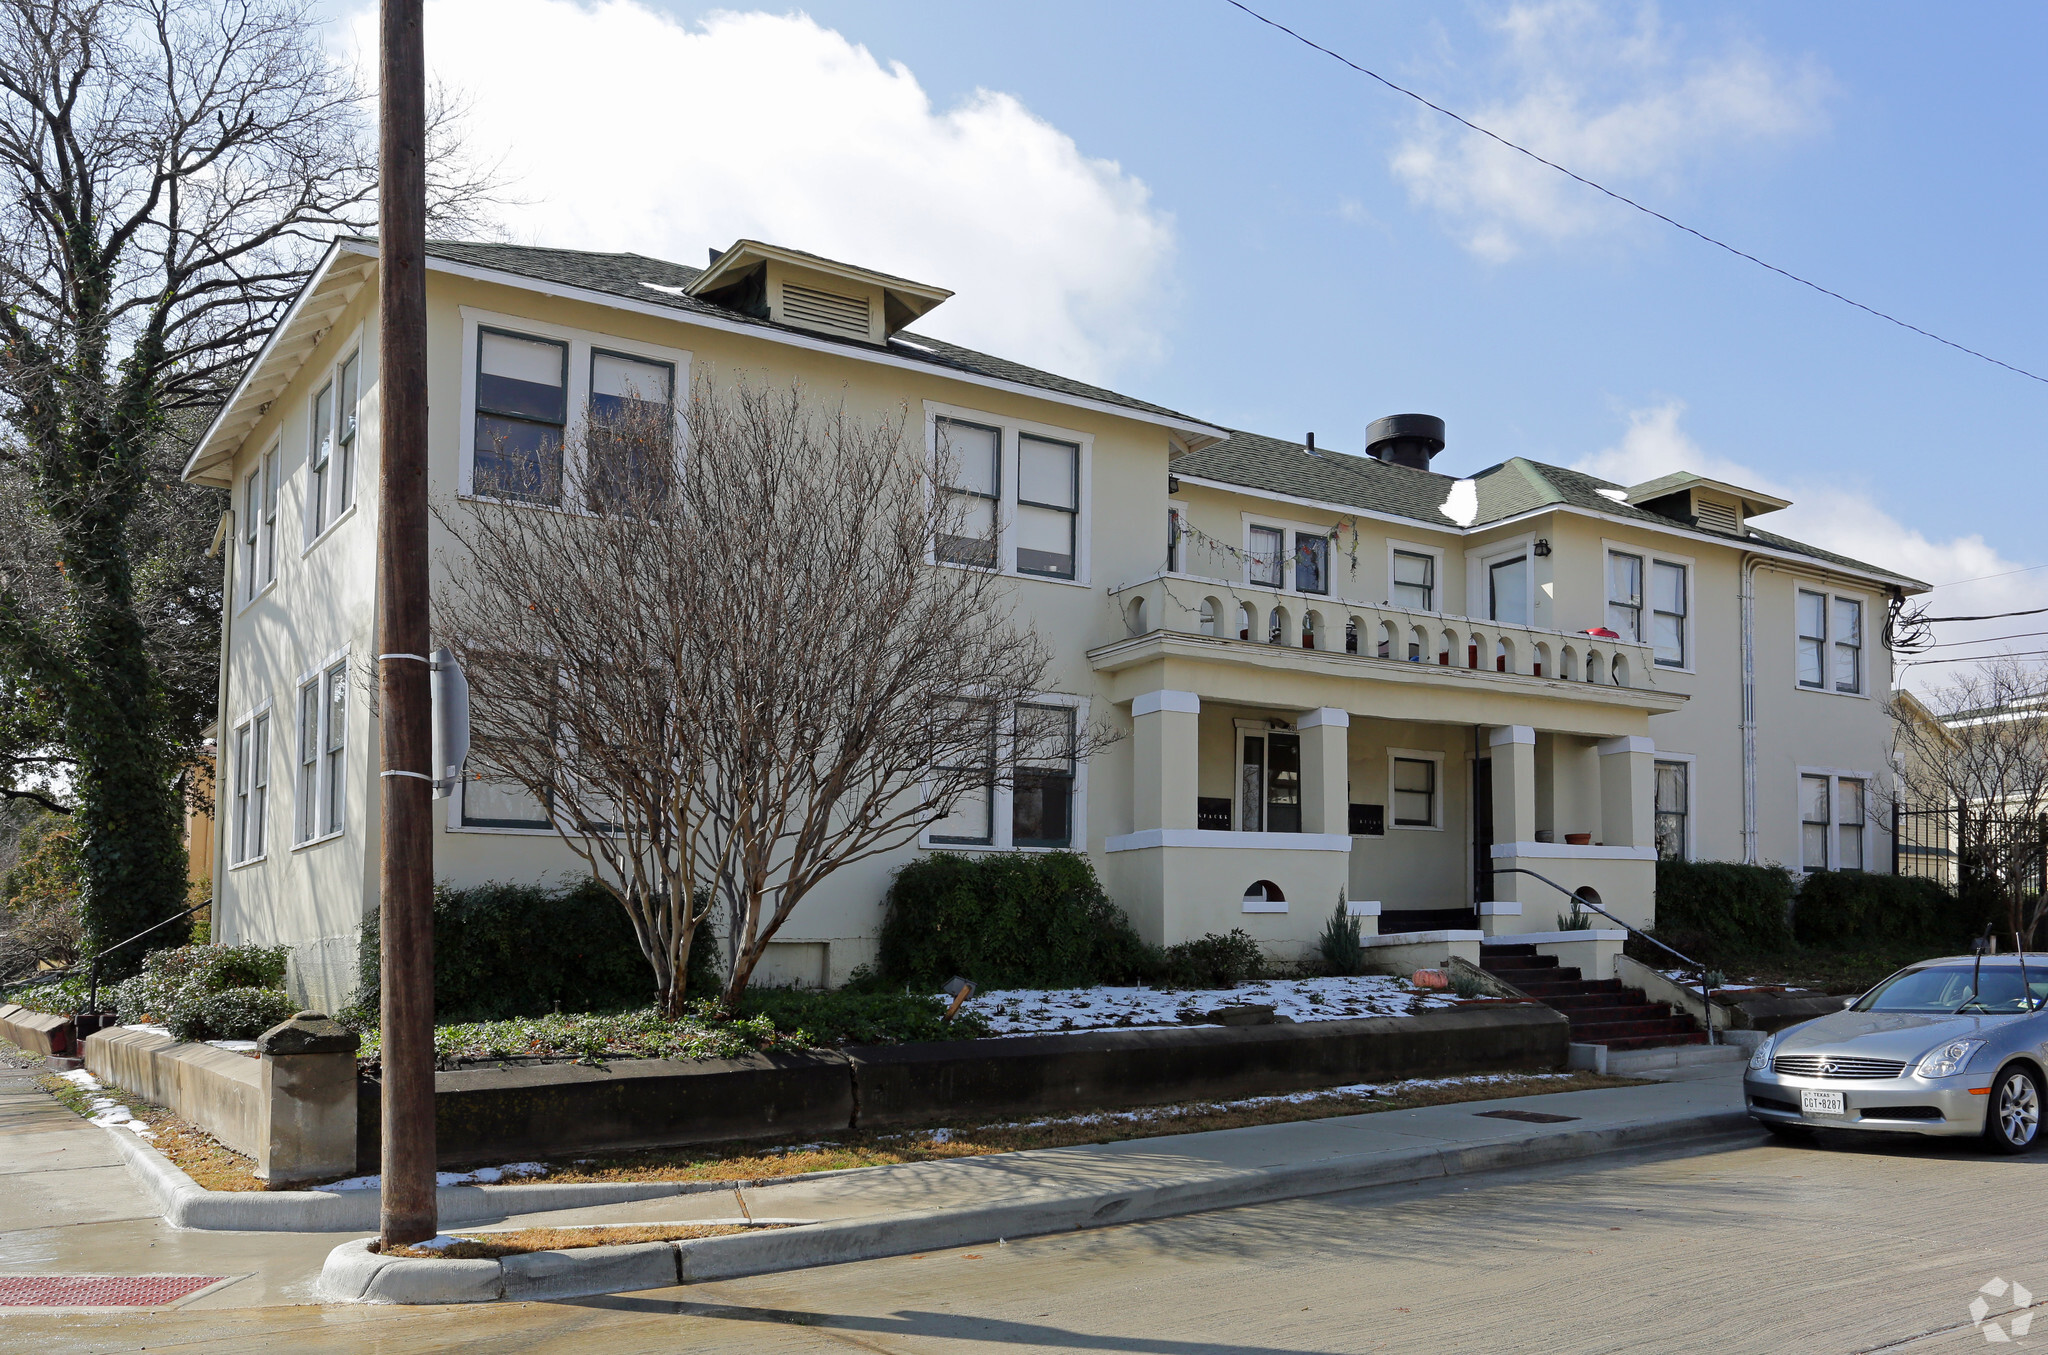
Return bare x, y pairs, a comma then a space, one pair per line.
1821, 1103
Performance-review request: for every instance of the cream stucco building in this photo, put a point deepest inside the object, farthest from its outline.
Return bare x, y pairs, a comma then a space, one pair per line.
1344, 676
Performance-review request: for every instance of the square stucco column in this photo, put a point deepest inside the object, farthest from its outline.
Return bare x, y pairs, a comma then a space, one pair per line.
1325, 770
1513, 749
1628, 790
1165, 728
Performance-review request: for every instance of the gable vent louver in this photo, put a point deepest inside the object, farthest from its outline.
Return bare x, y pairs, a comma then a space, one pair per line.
829, 311
1719, 516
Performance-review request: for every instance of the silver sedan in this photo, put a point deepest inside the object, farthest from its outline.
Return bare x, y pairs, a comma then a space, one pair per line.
1955, 1046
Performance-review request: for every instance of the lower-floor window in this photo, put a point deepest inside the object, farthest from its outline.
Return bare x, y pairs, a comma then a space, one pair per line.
252, 787
1674, 803
1038, 803
1832, 822
1414, 793
323, 731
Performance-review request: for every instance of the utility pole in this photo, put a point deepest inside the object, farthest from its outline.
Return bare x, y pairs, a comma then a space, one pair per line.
405, 877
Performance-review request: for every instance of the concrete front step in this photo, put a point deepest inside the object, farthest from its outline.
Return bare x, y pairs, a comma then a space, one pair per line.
1652, 1028
1600, 1058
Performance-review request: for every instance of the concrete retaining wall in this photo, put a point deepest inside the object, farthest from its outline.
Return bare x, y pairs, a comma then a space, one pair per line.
220, 1091
493, 1115
35, 1032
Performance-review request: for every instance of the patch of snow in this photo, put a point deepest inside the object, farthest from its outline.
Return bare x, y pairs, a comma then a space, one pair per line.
1618, 495
234, 1046
482, 1176
149, 1028
1037, 1011
909, 344
672, 291
439, 1242
105, 1111
1253, 1102
82, 1079
1463, 504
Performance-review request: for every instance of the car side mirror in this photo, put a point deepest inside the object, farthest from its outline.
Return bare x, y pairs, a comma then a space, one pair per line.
1847, 1003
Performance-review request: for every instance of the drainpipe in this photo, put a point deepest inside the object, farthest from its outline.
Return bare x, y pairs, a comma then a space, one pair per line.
1749, 566
222, 734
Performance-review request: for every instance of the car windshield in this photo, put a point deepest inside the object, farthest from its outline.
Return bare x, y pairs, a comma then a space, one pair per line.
1950, 988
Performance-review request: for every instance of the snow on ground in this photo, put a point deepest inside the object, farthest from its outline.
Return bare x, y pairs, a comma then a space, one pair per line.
482, 1176
1035, 1011
106, 1111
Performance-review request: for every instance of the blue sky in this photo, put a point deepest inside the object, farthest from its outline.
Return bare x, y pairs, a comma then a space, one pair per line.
1279, 244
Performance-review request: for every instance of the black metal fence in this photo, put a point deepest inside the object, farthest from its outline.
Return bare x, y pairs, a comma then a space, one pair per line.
1995, 857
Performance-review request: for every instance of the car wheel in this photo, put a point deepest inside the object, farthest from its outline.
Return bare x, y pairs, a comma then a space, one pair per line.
2012, 1122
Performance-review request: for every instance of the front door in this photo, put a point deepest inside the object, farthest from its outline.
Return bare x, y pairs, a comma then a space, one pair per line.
1482, 830
1269, 782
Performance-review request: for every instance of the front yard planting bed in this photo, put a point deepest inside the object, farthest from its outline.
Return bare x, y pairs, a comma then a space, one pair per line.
755, 1162
493, 1244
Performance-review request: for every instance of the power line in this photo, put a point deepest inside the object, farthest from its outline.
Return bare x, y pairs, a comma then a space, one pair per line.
1988, 616
1631, 202
1975, 658
1981, 577
1991, 639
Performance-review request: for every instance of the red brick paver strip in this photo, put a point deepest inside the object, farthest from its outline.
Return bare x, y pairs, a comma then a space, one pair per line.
99, 1291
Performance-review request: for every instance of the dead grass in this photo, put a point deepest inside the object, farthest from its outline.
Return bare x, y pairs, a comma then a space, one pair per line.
753, 1161
209, 1162
490, 1246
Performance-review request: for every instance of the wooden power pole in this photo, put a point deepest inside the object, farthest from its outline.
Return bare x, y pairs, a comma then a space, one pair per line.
406, 868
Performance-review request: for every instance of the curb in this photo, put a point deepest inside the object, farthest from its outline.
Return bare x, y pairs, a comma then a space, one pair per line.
353, 1273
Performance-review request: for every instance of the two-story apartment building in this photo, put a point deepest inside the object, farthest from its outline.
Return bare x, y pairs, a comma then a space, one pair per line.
1342, 675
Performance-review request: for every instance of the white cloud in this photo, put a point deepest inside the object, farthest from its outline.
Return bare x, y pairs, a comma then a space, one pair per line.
627, 130
1850, 522
1608, 94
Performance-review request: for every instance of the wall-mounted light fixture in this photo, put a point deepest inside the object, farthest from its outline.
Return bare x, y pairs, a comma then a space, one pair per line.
1173, 484
1542, 548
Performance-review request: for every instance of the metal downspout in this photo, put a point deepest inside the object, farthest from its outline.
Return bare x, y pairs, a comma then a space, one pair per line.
1749, 815
222, 734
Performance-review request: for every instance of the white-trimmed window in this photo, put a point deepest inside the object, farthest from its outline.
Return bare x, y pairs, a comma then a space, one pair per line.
1176, 527
1625, 595
1813, 639
319, 461
1815, 815
331, 448
1415, 788
251, 771
1833, 820
971, 822
1312, 563
971, 479
1673, 809
1830, 642
1265, 560
1507, 589
1848, 621
1849, 822
1048, 506
1413, 573
1018, 492
1668, 613
1042, 805
321, 789
632, 422
522, 415
259, 525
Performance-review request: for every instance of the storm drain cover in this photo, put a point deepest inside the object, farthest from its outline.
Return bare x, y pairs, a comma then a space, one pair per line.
99, 1291
1531, 1116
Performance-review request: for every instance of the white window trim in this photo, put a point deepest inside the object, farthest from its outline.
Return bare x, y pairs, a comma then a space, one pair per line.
1006, 499
1835, 776
1289, 529
1479, 563
1436, 804
1827, 646
323, 811
1692, 797
356, 349
1179, 507
1650, 556
580, 342
1002, 798
1441, 580
247, 721
257, 592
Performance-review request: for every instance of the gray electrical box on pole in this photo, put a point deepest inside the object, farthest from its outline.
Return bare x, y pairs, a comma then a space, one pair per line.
451, 722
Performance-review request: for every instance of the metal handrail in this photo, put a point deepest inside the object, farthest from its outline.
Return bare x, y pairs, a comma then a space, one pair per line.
1706, 987
92, 999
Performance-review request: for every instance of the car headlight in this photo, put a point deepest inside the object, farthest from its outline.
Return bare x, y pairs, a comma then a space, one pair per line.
1948, 1059
1760, 1057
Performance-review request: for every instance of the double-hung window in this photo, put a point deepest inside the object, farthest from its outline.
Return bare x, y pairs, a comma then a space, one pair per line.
1833, 820
1674, 804
1042, 797
1414, 793
1667, 613
1813, 639
1267, 559
632, 431
968, 761
347, 412
1848, 645
320, 462
331, 449
1507, 590
522, 411
971, 476
259, 525
1414, 581
323, 736
1815, 816
252, 788
1625, 595
1849, 815
1311, 562
1048, 505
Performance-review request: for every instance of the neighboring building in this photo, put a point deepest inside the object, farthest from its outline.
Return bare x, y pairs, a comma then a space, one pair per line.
1342, 675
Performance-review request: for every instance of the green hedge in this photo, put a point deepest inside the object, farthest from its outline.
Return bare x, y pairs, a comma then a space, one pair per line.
1724, 904
508, 950
1007, 920
208, 992
1851, 907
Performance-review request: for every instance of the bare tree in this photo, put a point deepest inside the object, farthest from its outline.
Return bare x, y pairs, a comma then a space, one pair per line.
732, 672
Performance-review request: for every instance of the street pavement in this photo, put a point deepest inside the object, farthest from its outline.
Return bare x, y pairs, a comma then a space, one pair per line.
1739, 1244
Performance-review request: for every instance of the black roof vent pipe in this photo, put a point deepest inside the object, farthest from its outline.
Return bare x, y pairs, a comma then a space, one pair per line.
1405, 439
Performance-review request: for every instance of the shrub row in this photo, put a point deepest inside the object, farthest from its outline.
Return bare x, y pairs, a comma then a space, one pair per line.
208, 992
1726, 907
1839, 908
1037, 920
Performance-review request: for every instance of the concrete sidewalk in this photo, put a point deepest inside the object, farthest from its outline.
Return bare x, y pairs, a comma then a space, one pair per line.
75, 1210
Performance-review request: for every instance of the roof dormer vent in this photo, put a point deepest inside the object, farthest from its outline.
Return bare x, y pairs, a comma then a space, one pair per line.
804, 291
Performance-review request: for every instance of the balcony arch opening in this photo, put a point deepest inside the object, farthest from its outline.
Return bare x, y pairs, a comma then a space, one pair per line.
1134, 616
1276, 626
1621, 670
1504, 655
1246, 619
1311, 629
1207, 614
1568, 664
1542, 659
1351, 636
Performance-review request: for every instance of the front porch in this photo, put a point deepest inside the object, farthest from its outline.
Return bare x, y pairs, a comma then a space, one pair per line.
1270, 780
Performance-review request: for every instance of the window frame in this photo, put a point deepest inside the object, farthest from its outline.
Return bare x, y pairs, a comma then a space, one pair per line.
592, 353
1634, 635
323, 817
1835, 776
1072, 515
1436, 573
1439, 790
1689, 846
576, 401
1480, 562
250, 771
259, 533
326, 506
1013, 430
1836, 644
1801, 639
1829, 643
986, 839
1001, 802
1652, 556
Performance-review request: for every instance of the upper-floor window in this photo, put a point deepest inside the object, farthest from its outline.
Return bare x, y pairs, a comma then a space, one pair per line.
971, 469
1414, 581
259, 525
331, 450
522, 413
632, 425
1048, 505
1667, 613
1173, 525
1267, 559
1625, 595
1311, 562
1507, 590
1830, 641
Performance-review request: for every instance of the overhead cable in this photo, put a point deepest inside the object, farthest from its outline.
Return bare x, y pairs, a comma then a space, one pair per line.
1631, 202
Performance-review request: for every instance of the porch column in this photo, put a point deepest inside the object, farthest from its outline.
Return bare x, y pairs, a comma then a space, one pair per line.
1165, 728
1325, 770
1628, 790
1513, 748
